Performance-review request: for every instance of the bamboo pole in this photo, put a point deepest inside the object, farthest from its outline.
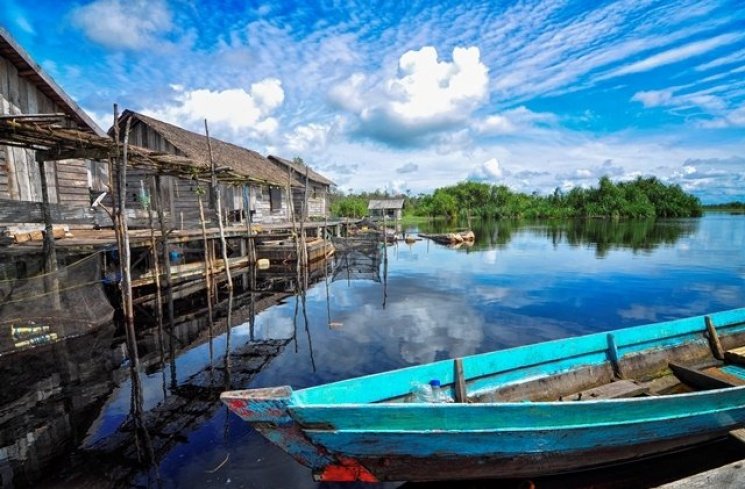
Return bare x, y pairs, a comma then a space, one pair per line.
167, 275
304, 218
291, 211
249, 223
215, 189
126, 271
207, 273
158, 293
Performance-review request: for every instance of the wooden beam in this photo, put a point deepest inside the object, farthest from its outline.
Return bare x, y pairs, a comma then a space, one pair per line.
736, 355
714, 343
703, 380
461, 394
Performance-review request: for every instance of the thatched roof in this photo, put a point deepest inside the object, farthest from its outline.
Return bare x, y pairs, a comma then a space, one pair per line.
242, 161
299, 171
27, 68
384, 204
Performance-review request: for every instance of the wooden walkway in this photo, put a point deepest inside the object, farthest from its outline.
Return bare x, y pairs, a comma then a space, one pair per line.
88, 240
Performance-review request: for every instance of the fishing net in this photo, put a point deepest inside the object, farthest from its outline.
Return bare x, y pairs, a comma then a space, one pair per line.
45, 308
357, 260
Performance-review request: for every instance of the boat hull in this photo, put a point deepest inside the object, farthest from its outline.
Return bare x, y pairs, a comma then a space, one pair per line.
366, 429
417, 469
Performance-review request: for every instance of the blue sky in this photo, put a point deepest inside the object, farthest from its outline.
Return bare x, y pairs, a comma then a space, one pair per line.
409, 96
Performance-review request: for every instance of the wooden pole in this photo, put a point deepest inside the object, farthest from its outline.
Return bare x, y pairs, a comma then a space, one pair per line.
50, 251
207, 271
125, 252
158, 293
304, 218
291, 211
49, 247
216, 190
167, 275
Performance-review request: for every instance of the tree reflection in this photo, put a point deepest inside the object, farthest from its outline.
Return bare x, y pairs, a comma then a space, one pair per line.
643, 235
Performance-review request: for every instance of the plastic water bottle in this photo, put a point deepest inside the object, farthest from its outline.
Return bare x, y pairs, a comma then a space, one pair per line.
421, 392
437, 395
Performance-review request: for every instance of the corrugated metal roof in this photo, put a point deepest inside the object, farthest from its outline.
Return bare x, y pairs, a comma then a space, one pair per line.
386, 204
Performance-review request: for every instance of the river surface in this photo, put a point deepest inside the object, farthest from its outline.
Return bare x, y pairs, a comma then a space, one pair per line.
519, 283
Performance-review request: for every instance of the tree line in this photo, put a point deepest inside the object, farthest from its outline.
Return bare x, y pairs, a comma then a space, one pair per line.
643, 197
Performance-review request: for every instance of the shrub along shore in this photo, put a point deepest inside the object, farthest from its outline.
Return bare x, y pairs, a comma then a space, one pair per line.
639, 198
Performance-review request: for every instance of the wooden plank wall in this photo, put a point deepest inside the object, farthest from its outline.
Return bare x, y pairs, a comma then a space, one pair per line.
316, 200
19, 171
14, 211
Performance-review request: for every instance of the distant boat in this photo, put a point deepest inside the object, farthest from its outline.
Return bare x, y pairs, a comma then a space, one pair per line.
539, 409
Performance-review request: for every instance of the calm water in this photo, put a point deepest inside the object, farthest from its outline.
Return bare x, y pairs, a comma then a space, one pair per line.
520, 283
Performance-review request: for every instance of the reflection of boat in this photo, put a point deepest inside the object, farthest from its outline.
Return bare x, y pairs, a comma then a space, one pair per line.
538, 409
451, 238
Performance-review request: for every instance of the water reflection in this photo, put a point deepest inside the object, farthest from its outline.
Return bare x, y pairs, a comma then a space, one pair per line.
386, 307
602, 234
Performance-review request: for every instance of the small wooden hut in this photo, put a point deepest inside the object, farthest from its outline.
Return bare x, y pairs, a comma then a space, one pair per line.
389, 208
319, 187
26, 90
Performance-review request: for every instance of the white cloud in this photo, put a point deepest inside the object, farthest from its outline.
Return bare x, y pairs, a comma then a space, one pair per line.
309, 137
426, 97
675, 54
724, 60
488, 171
513, 120
733, 118
653, 98
123, 24
430, 89
235, 108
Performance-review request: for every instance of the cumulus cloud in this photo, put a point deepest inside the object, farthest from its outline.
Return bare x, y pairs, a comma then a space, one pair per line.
407, 168
235, 108
427, 95
488, 171
123, 24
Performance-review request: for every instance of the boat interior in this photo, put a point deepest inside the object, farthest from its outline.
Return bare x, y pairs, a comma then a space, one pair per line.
710, 363
667, 358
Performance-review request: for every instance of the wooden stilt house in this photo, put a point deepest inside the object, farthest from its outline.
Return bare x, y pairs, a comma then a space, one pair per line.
28, 93
318, 186
262, 184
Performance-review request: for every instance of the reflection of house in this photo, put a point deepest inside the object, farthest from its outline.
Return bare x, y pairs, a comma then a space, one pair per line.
391, 208
318, 186
26, 90
266, 191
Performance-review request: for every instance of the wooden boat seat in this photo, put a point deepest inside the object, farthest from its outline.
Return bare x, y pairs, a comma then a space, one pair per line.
612, 390
736, 355
707, 378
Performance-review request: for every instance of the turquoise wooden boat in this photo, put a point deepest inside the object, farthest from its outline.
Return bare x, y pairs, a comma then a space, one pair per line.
552, 407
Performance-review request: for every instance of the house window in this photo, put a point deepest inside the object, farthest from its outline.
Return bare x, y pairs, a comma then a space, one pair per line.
275, 199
